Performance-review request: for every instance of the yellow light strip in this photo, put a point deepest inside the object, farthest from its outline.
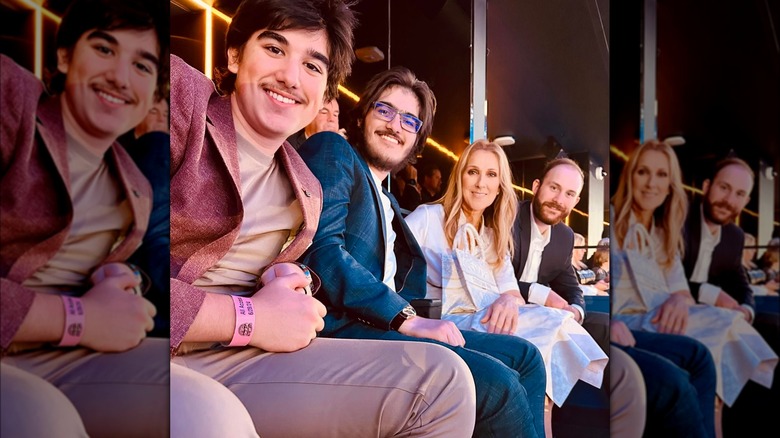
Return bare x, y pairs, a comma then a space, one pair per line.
347, 92
38, 44
208, 62
441, 149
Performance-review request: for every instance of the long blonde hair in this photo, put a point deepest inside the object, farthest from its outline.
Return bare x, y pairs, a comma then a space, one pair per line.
670, 216
499, 216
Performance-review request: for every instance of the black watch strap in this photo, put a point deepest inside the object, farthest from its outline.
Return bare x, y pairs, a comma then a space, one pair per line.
405, 313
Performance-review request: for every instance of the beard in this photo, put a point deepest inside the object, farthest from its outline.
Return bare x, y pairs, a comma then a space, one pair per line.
376, 159
549, 219
710, 215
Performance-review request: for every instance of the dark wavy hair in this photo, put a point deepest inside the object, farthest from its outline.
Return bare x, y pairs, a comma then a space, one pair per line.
84, 15
394, 77
333, 16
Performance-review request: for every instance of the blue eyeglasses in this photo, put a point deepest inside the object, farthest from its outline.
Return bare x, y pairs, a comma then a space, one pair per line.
387, 112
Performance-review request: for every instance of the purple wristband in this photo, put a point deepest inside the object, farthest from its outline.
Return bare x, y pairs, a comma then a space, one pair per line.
74, 321
245, 321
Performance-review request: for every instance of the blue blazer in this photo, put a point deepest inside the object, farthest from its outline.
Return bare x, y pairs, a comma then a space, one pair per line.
348, 251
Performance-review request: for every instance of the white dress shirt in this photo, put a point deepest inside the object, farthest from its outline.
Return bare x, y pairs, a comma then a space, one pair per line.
391, 264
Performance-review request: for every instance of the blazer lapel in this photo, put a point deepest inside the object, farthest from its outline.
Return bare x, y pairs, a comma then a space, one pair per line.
137, 192
525, 235
52, 131
219, 124
308, 192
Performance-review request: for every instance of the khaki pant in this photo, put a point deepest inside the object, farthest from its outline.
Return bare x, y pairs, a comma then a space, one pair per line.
72, 392
332, 388
628, 399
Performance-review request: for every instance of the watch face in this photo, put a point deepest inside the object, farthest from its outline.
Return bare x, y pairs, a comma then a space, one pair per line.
409, 312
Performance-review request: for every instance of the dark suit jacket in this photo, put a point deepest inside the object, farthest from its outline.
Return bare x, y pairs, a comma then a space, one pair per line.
555, 269
349, 248
726, 268
206, 208
36, 210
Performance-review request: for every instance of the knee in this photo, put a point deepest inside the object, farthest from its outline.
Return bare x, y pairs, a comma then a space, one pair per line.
701, 364
202, 407
525, 357
32, 406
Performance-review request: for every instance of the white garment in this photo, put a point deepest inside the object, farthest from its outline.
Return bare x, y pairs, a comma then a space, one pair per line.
738, 350
391, 264
708, 293
568, 351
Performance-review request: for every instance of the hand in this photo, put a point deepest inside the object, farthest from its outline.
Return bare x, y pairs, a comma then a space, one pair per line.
672, 316
282, 269
602, 286
284, 320
114, 320
114, 269
502, 315
726, 301
442, 331
620, 334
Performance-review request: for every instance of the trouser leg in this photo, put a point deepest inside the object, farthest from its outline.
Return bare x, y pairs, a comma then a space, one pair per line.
339, 388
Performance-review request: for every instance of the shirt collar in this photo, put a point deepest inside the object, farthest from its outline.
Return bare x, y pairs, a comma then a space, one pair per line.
706, 236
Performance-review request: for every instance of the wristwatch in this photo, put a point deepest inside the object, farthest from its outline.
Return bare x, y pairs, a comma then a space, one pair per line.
406, 313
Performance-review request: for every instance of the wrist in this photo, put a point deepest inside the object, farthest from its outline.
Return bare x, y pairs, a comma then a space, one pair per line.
244, 321
74, 321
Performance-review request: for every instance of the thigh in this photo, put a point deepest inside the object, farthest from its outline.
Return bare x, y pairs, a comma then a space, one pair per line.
202, 407
33, 407
111, 391
683, 351
343, 387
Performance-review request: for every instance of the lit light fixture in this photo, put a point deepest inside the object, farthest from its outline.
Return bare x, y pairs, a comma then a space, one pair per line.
369, 54
504, 140
674, 141
769, 173
599, 173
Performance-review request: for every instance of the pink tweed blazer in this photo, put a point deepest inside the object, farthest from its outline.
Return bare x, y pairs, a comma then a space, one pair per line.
206, 208
35, 208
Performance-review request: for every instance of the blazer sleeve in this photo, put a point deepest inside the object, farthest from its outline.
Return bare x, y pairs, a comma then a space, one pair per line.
348, 285
190, 91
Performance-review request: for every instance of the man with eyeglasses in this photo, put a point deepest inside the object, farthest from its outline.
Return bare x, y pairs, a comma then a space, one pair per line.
372, 267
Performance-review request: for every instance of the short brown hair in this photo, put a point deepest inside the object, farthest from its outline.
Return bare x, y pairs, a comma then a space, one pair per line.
333, 16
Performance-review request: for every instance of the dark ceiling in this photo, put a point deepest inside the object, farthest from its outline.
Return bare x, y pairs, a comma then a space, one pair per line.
718, 82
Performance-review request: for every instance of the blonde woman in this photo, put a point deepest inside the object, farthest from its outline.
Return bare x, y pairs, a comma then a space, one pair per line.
650, 205
480, 194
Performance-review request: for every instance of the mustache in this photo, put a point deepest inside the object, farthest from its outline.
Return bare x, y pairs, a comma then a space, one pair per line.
554, 205
110, 88
391, 133
282, 89
724, 205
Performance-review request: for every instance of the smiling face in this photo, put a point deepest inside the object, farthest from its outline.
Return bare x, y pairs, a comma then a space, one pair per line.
111, 77
387, 145
557, 194
327, 119
480, 181
281, 77
650, 182
727, 195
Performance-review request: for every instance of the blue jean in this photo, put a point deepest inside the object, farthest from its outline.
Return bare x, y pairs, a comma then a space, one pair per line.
680, 378
508, 373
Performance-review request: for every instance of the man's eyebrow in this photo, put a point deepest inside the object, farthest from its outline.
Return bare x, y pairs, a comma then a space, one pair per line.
282, 40
99, 34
